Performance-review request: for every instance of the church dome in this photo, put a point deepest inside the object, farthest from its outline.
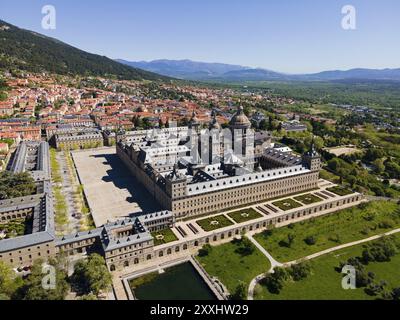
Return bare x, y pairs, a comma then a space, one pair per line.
240, 119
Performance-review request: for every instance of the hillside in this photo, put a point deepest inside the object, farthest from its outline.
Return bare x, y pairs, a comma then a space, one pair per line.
26, 50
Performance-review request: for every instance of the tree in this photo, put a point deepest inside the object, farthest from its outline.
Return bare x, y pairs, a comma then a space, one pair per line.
205, 251
396, 294
240, 292
310, 240
89, 296
32, 288
263, 125
290, 239
246, 247
380, 251
300, 271
16, 185
146, 123
137, 122
274, 281
8, 282
379, 166
91, 275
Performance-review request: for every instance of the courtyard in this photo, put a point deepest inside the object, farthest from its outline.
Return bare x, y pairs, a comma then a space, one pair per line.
112, 193
163, 236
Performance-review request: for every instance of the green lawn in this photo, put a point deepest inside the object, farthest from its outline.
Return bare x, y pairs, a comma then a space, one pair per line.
232, 268
244, 215
340, 191
214, 223
165, 236
287, 204
324, 283
331, 230
327, 175
308, 199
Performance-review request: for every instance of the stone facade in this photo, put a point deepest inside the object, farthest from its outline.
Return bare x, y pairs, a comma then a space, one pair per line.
175, 176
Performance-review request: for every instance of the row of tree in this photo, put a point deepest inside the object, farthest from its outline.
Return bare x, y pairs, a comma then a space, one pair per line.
90, 278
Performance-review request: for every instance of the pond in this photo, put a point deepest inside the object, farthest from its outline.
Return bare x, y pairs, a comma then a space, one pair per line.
181, 282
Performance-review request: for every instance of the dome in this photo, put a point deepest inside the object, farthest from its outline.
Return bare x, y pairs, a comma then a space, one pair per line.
240, 119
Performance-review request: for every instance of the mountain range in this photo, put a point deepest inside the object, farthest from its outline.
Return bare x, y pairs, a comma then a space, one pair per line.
26, 50
30, 51
192, 70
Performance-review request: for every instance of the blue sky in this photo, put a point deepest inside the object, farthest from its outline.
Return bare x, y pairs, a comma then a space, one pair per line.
293, 36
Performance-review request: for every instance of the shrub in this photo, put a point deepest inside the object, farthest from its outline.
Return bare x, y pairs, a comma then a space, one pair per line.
240, 293
374, 289
205, 251
300, 271
380, 251
310, 240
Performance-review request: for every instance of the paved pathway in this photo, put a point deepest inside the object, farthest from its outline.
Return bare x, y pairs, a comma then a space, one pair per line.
374, 198
254, 282
273, 262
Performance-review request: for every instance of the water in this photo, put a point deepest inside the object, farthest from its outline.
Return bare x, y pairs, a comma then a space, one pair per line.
181, 282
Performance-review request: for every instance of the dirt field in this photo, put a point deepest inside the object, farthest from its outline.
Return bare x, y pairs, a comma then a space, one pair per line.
339, 151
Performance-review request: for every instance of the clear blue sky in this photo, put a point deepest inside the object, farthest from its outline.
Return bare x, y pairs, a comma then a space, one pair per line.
291, 36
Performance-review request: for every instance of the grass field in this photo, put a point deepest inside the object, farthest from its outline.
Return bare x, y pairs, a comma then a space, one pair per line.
244, 215
232, 268
164, 236
287, 204
325, 282
331, 230
308, 199
214, 223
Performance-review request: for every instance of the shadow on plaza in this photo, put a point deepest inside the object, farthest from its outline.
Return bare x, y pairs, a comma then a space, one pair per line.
122, 179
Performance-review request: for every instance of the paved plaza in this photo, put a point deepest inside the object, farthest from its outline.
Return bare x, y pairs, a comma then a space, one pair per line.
111, 191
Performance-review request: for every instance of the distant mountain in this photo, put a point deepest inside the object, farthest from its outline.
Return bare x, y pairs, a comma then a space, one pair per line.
31, 51
192, 70
254, 75
185, 69
365, 74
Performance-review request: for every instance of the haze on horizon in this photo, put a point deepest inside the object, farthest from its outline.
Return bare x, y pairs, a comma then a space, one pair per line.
281, 35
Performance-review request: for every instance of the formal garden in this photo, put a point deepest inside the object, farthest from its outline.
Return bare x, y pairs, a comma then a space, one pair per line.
317, 234
214, 223
163, 236
244, 215
287, 204
377, 266
15, 228
308, 199
340, 191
